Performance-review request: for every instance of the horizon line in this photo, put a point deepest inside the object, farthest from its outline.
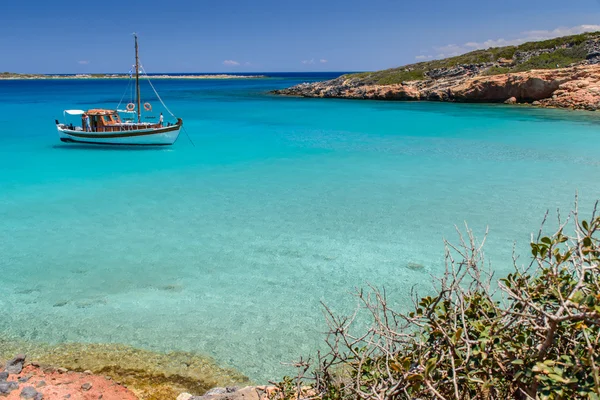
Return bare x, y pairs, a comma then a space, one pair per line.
166, 73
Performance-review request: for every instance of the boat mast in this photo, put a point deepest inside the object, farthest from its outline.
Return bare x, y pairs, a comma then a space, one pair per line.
137, 80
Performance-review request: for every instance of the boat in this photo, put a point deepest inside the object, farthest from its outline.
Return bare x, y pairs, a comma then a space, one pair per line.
120, 127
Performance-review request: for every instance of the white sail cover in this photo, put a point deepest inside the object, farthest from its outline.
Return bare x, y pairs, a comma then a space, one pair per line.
74, 112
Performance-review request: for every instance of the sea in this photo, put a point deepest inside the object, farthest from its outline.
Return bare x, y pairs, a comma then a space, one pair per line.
229, 243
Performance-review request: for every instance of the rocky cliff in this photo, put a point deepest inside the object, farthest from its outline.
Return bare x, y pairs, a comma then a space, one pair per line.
575, 84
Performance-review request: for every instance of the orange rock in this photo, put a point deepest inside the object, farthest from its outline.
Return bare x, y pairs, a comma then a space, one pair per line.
55, 385
573, 87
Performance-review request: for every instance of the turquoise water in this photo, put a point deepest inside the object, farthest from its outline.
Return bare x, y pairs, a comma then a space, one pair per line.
227, 247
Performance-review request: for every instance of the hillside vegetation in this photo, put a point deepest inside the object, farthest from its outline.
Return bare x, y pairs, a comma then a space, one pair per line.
547, 54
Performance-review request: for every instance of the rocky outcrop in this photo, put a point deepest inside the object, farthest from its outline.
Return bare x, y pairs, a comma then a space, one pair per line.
576, 87
232, 393
45, 383
247, 393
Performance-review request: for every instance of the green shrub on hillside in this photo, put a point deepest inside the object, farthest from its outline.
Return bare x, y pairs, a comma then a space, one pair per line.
566, 50
557, 42
497, 71
557, 59
388, 77
400, 76
534, 334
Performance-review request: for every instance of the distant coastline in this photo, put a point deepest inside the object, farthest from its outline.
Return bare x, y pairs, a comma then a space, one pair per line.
17, 76
556, 73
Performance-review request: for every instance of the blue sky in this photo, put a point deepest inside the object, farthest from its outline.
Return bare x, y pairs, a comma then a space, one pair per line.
268, 35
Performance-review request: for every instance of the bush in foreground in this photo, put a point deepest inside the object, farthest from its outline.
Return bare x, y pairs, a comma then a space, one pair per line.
531, 335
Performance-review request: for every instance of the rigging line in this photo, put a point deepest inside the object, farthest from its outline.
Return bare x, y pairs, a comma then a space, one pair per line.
165, 106
124, 93
155, 92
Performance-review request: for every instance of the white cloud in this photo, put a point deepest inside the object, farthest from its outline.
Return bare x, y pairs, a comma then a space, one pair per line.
423, 57
452, 50
323, 61
247, 63
562, 31
453, 54
231, 63
308, 62
83, 62
449, 49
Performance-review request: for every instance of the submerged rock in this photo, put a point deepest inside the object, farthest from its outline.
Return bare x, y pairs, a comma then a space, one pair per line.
415, 266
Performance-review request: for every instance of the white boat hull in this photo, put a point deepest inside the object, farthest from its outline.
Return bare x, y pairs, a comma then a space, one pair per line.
144, 137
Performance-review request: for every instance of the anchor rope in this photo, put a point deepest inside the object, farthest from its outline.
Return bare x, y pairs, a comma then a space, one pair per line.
164, 105
188, 136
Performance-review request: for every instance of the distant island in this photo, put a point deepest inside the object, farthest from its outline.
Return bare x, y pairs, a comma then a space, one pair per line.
562, 72
13, 75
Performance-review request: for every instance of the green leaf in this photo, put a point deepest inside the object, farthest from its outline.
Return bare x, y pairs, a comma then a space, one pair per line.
585, 225
558, 378
430, 365
415, 377
457, 335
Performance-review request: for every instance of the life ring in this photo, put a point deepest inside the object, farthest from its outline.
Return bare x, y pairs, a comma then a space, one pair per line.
130, 107
147, 107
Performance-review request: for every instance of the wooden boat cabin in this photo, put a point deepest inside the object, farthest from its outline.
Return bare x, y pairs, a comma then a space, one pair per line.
109, 121
102, 120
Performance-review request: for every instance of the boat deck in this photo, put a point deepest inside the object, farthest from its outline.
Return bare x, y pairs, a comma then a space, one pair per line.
118, 127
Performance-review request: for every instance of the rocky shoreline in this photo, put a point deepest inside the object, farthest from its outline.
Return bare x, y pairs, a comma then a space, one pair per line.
21, 380
148, 375
576, 87
24, 379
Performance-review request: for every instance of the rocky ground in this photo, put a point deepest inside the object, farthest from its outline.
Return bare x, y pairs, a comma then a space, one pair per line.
32, 381
148, 375
22, 379
233, 393
575, 87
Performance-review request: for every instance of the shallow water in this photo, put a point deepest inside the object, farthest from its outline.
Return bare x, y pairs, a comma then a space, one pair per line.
226, 248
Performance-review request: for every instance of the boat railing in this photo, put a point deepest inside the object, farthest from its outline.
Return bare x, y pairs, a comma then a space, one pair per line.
118, 127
